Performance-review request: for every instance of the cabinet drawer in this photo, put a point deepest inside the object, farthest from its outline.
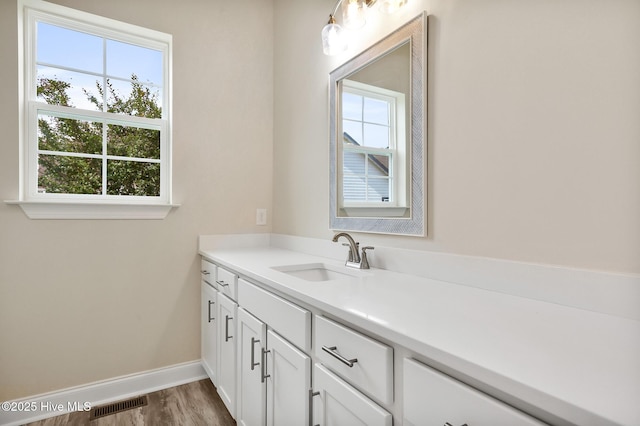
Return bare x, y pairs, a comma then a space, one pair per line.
208, 272
431, 397
227, 283
290, 321
371, 369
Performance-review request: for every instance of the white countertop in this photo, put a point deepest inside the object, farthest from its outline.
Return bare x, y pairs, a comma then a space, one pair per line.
581, 366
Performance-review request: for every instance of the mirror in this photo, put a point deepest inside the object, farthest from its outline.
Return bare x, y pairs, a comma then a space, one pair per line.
377, 132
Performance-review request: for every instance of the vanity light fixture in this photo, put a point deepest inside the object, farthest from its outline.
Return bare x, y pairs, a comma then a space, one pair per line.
334, 37
391, 6
353, 13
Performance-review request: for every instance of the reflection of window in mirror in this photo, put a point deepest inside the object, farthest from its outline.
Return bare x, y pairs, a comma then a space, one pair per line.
373, 148
377, 136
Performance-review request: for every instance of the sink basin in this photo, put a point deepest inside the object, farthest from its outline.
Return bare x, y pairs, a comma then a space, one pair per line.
317, 272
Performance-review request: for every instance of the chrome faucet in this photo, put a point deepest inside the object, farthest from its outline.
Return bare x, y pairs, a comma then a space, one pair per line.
354, 260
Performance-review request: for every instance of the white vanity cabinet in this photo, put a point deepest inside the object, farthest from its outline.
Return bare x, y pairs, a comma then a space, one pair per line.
336, 403
361, 366
288, 319
288, 382
209, 330
266, 348
208, 323
364, 362
360, 347
227, 282
273, 376
264, 372
252, 336
208, 272
227, 320
431, 397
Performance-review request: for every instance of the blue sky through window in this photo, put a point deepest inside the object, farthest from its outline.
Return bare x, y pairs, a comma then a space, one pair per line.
83, 59
366, 120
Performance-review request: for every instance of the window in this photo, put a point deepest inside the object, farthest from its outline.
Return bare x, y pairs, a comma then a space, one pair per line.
373, 142
95, 111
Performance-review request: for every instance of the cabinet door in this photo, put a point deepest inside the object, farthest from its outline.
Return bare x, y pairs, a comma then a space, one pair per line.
288, 383
252, 335
338, 404
227, 352
430, 397
209, 330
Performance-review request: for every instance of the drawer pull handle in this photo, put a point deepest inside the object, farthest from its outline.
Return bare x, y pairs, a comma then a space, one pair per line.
222, 283
311, 395
226, 328
210, 318
263, 367
449, 424
205, 272
333, 352
254, 364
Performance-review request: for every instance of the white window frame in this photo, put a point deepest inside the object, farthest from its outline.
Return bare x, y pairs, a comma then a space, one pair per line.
84, 206
397, 151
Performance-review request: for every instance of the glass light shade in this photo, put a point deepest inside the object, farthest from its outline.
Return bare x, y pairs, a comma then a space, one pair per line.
353, 14
334, 39
391, 6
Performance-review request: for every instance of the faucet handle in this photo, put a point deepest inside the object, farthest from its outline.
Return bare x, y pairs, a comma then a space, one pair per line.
364, 264
351, 258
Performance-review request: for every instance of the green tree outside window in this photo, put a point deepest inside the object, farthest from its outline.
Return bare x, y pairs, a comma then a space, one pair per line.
63, 169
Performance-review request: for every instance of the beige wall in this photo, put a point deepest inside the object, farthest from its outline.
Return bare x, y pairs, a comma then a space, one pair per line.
534, 155
82, 301
534, 128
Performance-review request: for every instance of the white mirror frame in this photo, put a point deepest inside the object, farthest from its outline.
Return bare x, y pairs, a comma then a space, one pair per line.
413, 32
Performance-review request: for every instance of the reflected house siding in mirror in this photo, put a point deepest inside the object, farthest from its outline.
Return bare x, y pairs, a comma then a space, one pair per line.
407, 216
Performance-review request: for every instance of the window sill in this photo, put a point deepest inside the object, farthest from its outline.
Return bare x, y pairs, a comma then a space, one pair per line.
380, 212
79, 210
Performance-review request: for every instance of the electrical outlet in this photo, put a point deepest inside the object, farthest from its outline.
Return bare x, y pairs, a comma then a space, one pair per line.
261, 216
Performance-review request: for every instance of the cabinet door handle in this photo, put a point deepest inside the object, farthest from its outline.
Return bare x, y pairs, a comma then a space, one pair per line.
311, 395
211, 303
253, 353
226, 328
263, 367
333, 351
222, 283
205, 272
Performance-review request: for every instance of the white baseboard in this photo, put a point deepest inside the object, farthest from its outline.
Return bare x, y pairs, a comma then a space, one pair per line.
63, 401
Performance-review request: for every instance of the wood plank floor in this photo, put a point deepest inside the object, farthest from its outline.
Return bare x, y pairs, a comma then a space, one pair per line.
194, 404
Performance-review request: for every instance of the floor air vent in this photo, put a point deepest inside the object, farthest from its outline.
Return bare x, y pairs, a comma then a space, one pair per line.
117, 407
